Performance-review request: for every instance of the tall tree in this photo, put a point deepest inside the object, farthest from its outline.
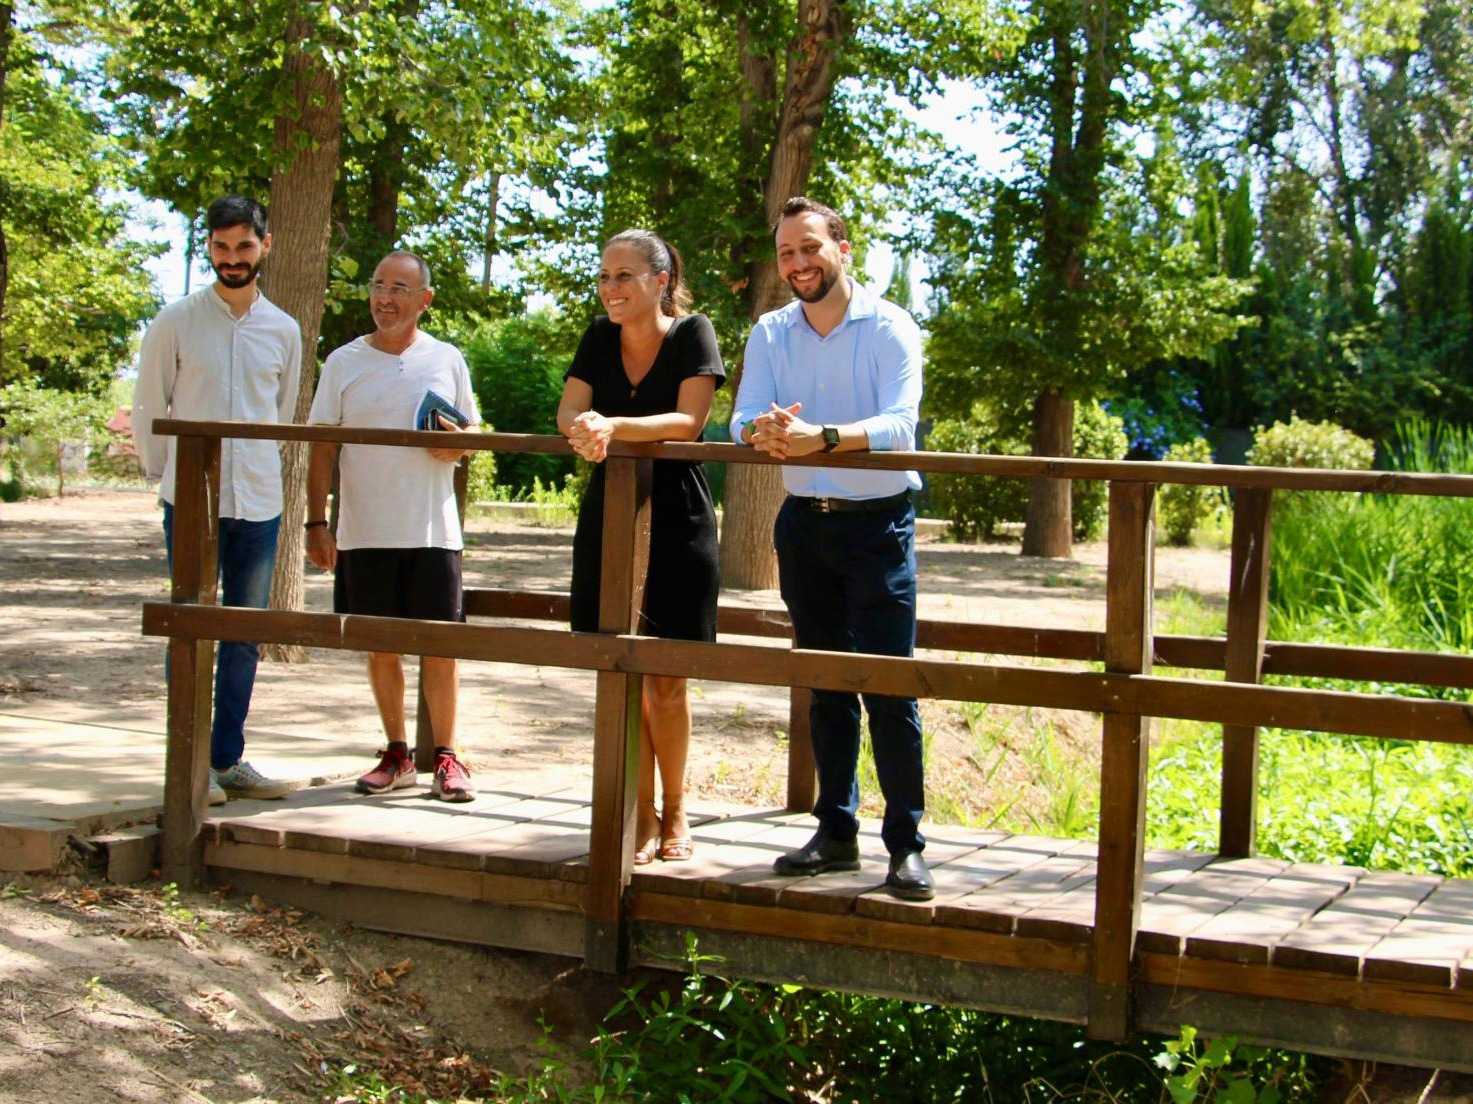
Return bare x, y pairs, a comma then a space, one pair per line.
1047, 289
330, 110
307, 138
719, 112
72, 286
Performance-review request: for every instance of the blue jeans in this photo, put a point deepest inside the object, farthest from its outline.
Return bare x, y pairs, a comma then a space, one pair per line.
849, 582
246, 557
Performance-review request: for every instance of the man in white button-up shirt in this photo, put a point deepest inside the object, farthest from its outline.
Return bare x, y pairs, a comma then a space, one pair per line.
226, 353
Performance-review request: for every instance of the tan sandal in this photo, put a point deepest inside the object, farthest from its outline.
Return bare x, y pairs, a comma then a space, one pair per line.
675, 848
649, 850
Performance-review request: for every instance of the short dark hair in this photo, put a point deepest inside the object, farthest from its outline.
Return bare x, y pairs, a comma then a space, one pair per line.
802, 205
424, 269
236, 210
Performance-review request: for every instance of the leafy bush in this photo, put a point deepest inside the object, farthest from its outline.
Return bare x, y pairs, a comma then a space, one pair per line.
1302, 444
719, 1040
1183, 506
1099, 435
481, 484
517, 367
977, 506
50, 420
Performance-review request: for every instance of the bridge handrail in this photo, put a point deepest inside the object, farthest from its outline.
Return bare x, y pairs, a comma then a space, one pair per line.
1127, 694
949, 463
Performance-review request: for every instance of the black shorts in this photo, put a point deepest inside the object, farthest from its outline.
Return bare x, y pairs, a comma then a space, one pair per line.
423, 583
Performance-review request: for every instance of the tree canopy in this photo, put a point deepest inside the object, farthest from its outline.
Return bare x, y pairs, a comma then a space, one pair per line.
1214, 216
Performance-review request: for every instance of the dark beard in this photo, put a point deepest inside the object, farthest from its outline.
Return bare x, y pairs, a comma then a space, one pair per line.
825, 286
236, 281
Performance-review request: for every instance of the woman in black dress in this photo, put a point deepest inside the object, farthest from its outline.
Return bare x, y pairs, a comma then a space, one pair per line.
647, 372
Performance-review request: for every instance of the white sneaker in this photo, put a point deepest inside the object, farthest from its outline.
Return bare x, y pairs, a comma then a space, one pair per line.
217, 794
244, 780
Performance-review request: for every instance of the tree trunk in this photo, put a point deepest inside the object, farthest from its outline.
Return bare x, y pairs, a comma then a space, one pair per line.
7, 30
307, 148
1079, 108
1048, 528
493, 197
754, 493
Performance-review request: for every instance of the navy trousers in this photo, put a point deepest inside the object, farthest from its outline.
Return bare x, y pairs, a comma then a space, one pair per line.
849, 582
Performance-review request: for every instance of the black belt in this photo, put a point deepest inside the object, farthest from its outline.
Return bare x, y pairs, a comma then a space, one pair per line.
850, 505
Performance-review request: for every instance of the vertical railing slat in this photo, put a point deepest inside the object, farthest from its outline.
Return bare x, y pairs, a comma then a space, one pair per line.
616, 729
1128, 584
191, 662
1247, 628
802, 776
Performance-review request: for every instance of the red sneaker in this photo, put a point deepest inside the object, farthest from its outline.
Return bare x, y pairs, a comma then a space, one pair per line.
395, 770
452, 780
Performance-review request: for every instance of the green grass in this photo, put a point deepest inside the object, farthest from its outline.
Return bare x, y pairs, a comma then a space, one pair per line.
1391, 571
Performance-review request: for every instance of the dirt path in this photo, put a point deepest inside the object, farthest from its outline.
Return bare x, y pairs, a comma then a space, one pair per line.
75, 571
132, 994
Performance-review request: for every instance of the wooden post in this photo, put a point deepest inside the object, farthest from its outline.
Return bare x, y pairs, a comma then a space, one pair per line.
1128, 630
1247, 627
191, 662
802, 771
424, 728
616, 726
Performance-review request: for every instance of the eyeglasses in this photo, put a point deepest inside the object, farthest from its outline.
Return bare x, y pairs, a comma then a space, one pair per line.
394, 291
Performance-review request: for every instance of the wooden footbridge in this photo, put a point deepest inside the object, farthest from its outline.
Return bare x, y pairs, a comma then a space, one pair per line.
1326, 958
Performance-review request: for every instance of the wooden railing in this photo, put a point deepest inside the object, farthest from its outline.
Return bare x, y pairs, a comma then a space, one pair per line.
1125, 691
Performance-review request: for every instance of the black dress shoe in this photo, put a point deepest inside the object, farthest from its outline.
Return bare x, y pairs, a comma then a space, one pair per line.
909, 879
822, 853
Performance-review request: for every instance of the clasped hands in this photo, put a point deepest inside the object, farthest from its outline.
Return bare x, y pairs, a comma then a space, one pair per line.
589, 434
781, 433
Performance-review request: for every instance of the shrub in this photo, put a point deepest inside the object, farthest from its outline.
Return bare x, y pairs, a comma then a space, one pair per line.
976, 505
517, 367
481, 484
1099, 435
1303, 444
1183, 507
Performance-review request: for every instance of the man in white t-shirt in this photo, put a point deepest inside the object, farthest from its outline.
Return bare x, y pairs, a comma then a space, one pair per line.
397, 549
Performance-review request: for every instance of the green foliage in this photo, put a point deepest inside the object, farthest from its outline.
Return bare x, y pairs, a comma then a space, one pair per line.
1222, 1070
1394, 805
517, 368
1299, 443
699, 101
1388, 571
1182, 507
445, 107
51, 420
718, 1040
1099, 435
76, 291
977, 506
480, 483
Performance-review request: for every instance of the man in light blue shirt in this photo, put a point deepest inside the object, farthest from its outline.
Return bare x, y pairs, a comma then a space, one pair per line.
839, 370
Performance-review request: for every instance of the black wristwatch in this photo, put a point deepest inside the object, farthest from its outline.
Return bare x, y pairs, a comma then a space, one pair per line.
830, 438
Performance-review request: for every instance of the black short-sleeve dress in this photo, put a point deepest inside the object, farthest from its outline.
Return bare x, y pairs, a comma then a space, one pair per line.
684, 572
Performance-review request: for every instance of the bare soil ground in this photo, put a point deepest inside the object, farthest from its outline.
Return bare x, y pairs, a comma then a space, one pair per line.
138, 994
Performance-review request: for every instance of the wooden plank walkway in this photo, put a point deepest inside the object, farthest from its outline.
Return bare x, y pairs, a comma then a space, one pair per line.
1327, 958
